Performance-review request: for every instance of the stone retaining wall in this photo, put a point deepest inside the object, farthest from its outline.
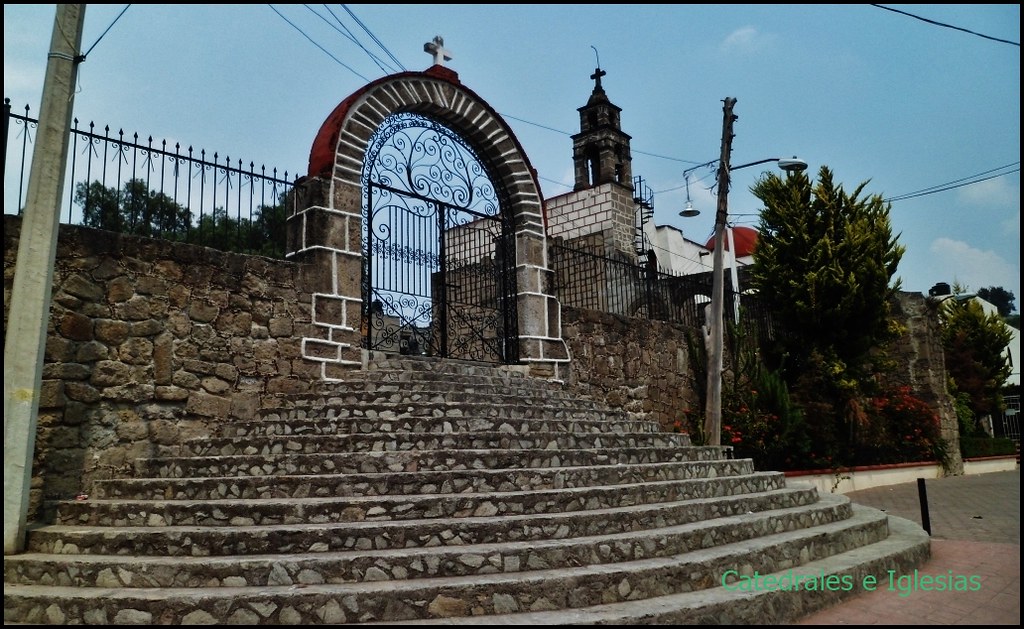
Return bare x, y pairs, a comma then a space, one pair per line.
639, 365
149, 337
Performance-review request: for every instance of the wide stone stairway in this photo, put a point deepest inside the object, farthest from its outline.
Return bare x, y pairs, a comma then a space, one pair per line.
435, 492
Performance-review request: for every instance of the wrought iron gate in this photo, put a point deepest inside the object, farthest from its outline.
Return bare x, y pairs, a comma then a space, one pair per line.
439, 247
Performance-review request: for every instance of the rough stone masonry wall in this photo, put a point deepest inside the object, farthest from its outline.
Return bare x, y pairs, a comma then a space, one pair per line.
147, 339
643, 365
640, 365
920, 347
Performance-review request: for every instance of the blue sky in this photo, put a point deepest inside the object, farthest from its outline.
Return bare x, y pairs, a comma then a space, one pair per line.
878, 96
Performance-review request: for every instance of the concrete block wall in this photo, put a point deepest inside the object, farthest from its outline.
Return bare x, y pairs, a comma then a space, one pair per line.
607, 208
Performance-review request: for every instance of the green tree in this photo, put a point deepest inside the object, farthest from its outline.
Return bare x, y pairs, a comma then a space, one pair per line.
139, 211
1003, 300
262, 235
824, 265
999, 297
101, 206
132, 210
267, 234
974, 344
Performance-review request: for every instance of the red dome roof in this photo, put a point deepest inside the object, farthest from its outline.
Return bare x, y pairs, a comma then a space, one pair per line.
744, 237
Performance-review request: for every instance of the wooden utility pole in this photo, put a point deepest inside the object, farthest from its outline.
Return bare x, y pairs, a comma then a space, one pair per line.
715, 345
29, 315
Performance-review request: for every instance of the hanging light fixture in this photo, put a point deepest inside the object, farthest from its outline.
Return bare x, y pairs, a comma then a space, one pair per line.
688, 211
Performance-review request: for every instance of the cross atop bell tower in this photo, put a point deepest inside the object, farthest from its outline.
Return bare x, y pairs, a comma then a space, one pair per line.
600, 150
437, 49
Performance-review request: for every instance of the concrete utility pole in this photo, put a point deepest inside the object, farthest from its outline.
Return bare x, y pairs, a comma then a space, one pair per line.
25, 339
715, 345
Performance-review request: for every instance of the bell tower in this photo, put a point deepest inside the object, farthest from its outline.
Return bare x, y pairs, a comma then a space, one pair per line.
600, 214
600, 151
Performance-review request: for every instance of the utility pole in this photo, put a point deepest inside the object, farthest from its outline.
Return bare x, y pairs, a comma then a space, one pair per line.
715, 345
25, 340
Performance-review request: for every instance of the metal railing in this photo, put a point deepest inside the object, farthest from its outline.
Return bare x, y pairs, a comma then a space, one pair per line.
592, 281
123, 183
1009, 422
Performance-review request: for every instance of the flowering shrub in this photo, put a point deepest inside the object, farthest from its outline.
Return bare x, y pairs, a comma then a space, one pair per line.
900, 428
761, 423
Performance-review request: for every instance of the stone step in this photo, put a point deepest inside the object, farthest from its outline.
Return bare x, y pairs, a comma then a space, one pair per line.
436, 391
518, 409
457, 597
413, 460
252, 569
237, 512
409, 483
423, 366
906, 548
395, 534
371, 442
298, 422
486, 381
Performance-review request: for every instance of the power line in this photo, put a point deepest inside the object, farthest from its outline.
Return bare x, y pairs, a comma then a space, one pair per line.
86, 53
958, 183
537, 124
351, 37
373, 37
564, 185
338, 61
956, 28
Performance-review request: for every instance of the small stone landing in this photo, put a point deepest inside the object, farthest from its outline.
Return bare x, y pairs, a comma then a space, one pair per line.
430, 492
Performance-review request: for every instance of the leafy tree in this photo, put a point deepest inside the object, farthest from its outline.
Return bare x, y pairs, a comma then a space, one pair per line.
132, 210
999, 297
974, 344
824, 266
101, 206
267, 234
142, 212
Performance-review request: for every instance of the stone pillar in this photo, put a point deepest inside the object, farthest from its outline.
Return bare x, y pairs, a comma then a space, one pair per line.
921, 349
324, 234
540, 316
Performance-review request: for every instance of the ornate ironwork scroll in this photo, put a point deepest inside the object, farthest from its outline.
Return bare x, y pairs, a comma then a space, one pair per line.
439, 269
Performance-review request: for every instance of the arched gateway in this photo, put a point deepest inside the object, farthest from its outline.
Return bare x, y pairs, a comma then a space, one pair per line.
422, 224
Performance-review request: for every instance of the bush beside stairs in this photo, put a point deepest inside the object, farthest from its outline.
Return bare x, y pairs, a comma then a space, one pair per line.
440, 492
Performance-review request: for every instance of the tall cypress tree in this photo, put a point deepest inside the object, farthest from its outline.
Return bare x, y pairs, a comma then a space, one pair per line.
825, 263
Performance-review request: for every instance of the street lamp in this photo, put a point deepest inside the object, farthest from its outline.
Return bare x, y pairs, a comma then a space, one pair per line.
714, 342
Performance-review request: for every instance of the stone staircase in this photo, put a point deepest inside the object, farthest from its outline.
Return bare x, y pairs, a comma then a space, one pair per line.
430, 492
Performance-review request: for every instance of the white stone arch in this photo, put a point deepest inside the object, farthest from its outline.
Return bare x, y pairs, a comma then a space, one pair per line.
325, 225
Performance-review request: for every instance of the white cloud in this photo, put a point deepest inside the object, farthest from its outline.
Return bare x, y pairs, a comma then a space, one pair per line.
1011, 225
973, 268
998, 192
746, 40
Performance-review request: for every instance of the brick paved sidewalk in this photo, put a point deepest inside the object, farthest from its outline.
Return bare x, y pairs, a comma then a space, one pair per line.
975, 525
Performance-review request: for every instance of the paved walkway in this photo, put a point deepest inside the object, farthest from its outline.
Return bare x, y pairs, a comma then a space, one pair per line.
975, 527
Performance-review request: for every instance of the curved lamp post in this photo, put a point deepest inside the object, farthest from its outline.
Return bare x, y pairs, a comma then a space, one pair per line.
714, 341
